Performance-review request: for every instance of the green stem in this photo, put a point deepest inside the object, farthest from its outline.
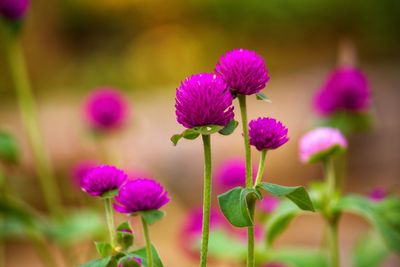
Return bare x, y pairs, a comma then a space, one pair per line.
206, 200
149, 252
249, 181
110, 220
27, 107
333, 244
261, 166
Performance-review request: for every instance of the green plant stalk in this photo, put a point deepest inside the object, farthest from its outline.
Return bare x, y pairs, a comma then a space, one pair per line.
249, 181
331, 219
27, 107
110, 220
149, 252
205, 232
261, 166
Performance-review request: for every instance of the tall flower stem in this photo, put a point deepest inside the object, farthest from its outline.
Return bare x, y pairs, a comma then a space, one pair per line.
110, 219
206, 200
331, 219
149, 252
249, 182
27, 107
261, 167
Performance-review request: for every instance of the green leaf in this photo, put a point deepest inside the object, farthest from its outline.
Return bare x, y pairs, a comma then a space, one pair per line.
141, 253
125, 235
223, 246
280, 219
190, 134
175, 138
9, 151
300, 257
152, 216
297, 194
383, 215
229, 128
263, 97
208, 129
369, 251
234, 205
110, 194
106, 262
104, 249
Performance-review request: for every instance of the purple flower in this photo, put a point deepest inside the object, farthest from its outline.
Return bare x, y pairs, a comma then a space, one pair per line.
130, 262
243, 70
80, 171
267, 133
106, 109
14, 9
346, 89
268, 204
203, 99
320, 143
377, 194
102, 179
140, 195
231, 173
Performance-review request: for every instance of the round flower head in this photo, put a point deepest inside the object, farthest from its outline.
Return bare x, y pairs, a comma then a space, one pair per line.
377, 194
14, 9
268, 204
321, 142
130, 262
203, 99
346, 89
244, 71
102, 179
231, 173
140, 195
267, 133
106, 109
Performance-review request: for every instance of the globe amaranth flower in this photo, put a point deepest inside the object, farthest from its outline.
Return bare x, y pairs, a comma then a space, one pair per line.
130, 262
231, 173
268, 204
243, 70
106, 109
140, 195
14, 9
320, 143
80, 171
346, 89
203, 99
267, 133
103, 179
377, 194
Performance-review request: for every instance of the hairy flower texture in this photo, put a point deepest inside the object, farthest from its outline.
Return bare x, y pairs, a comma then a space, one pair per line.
140, 195
130, 262
346, 89
268, 204
320, 143
377, 194
80, 171
14, 9
231, 173
103, 179
106, 109
203, 99
267, 133
243, 70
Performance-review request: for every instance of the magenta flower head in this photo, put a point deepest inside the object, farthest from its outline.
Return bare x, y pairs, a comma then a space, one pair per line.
14, 9
267, 133
346, 89
231, 173
106, 109
102, 179
203, 99
130, 262
243, 70
377, 194
320, 143
140, 195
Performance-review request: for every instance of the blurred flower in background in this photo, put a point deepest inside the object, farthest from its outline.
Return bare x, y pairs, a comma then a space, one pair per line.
377, 194
14, 9
268, 204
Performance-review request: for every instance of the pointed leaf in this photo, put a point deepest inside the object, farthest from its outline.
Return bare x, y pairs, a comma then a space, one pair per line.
369, 251
141, 253
104, 249
152, 216
208, 129
110, 194
229, 128
263, 97
175, 138
106, 262
297, 194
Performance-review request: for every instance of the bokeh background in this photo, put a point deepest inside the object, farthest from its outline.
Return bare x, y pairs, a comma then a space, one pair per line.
145, 47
